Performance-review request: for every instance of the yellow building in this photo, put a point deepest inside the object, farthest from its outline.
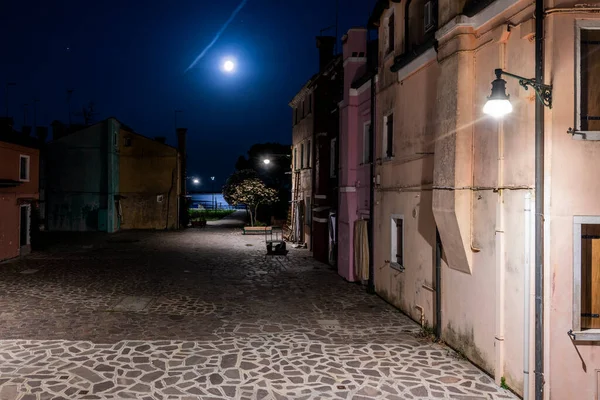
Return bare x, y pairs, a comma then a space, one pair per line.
149, 182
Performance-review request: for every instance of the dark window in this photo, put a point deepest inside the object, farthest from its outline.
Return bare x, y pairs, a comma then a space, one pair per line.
127, 141
355, 54
391, 33
590, 276
310, 103
303, 108
400, 241
389, 128
24, 168
333, 162
366, 143
302, 156
295, 158
295, 115
308, 155
429, 19
590, 80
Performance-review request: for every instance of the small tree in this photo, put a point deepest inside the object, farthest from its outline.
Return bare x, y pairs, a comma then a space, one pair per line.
234, 180
252, 192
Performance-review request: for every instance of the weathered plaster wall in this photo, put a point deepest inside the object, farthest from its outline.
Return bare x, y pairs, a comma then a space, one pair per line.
147, 169
77, 180
482, 227
354, 112
405, 190
302, 133
572, 188
9, 207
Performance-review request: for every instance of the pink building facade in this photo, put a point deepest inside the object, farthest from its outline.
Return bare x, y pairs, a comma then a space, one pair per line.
354, 156
443, 166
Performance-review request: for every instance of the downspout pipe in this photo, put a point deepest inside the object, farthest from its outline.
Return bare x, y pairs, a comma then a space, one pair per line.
371, 227
526, 295
539, 204
438, 285
406, 27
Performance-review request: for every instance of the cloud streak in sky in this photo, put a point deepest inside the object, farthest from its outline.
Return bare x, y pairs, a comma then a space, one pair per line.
218, 35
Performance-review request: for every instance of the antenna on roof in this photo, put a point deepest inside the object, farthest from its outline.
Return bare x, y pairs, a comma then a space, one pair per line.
337, 23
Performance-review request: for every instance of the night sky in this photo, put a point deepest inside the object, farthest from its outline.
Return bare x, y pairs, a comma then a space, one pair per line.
130, 60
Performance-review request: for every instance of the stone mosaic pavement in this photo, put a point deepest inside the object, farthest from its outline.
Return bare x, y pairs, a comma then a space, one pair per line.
201, 314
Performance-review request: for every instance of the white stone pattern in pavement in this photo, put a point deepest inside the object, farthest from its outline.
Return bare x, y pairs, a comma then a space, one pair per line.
275, 366
201, 314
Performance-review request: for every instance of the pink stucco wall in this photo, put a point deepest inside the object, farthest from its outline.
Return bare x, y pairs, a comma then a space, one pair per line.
355, 112
474, 186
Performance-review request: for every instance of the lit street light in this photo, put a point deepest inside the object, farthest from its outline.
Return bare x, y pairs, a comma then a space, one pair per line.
196, 181
498, 104
267, 161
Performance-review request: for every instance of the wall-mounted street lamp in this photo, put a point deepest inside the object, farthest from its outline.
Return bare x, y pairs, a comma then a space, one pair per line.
498, 104
268, 160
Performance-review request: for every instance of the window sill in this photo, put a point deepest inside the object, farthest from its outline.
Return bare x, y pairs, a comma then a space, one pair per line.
585, 135
590, 335
23, 180
386, 159
397, 267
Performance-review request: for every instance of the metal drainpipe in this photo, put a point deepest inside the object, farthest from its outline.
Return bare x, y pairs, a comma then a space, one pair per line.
438, 285
371, 284
539, 204
406, 27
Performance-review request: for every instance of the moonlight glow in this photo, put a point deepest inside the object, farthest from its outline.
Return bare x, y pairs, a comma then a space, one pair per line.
228, 66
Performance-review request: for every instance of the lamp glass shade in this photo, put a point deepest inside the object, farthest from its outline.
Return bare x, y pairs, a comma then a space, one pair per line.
497, 108
267, 161
498, 104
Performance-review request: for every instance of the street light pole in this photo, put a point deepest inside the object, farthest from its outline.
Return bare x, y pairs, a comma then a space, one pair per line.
214, 200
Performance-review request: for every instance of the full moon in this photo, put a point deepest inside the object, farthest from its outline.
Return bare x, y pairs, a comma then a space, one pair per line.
228, 66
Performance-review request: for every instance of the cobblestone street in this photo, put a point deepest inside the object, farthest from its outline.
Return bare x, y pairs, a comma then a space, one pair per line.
201, 314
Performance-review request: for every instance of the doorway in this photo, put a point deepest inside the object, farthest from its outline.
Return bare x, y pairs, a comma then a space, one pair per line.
25, 223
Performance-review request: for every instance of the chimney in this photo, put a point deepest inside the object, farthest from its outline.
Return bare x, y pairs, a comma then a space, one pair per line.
161, 139
181, 147
42, 133
26, 130
58, 129
326, 46
6, 124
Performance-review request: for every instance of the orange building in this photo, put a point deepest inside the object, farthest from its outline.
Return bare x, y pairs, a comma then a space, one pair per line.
19, 192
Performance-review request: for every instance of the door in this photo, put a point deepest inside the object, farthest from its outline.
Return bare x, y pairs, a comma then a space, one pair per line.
24, 226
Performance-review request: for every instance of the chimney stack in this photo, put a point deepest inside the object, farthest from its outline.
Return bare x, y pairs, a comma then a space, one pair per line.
58, 129
42, 133
326, 46
181, 147
26, 130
